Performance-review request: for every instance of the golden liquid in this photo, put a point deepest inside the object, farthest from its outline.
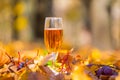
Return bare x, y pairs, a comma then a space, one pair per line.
53, 39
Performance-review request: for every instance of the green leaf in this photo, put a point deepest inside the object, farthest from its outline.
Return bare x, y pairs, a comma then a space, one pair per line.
49, 63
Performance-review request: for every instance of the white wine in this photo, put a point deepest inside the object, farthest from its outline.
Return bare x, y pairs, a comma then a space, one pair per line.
53, 38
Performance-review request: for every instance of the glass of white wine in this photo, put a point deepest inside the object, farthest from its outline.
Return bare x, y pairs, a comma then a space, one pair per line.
53, 34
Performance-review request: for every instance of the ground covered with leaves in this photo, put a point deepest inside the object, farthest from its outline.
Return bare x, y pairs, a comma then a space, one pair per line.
86, 63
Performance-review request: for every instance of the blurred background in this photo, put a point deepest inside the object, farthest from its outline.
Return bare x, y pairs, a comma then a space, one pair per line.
85, 22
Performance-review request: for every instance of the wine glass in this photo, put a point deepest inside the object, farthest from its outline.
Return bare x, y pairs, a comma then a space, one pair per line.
53, 34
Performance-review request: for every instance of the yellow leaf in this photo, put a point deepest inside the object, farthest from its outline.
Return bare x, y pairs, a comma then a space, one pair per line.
19, 8
95, 55
79, 74
21, 23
